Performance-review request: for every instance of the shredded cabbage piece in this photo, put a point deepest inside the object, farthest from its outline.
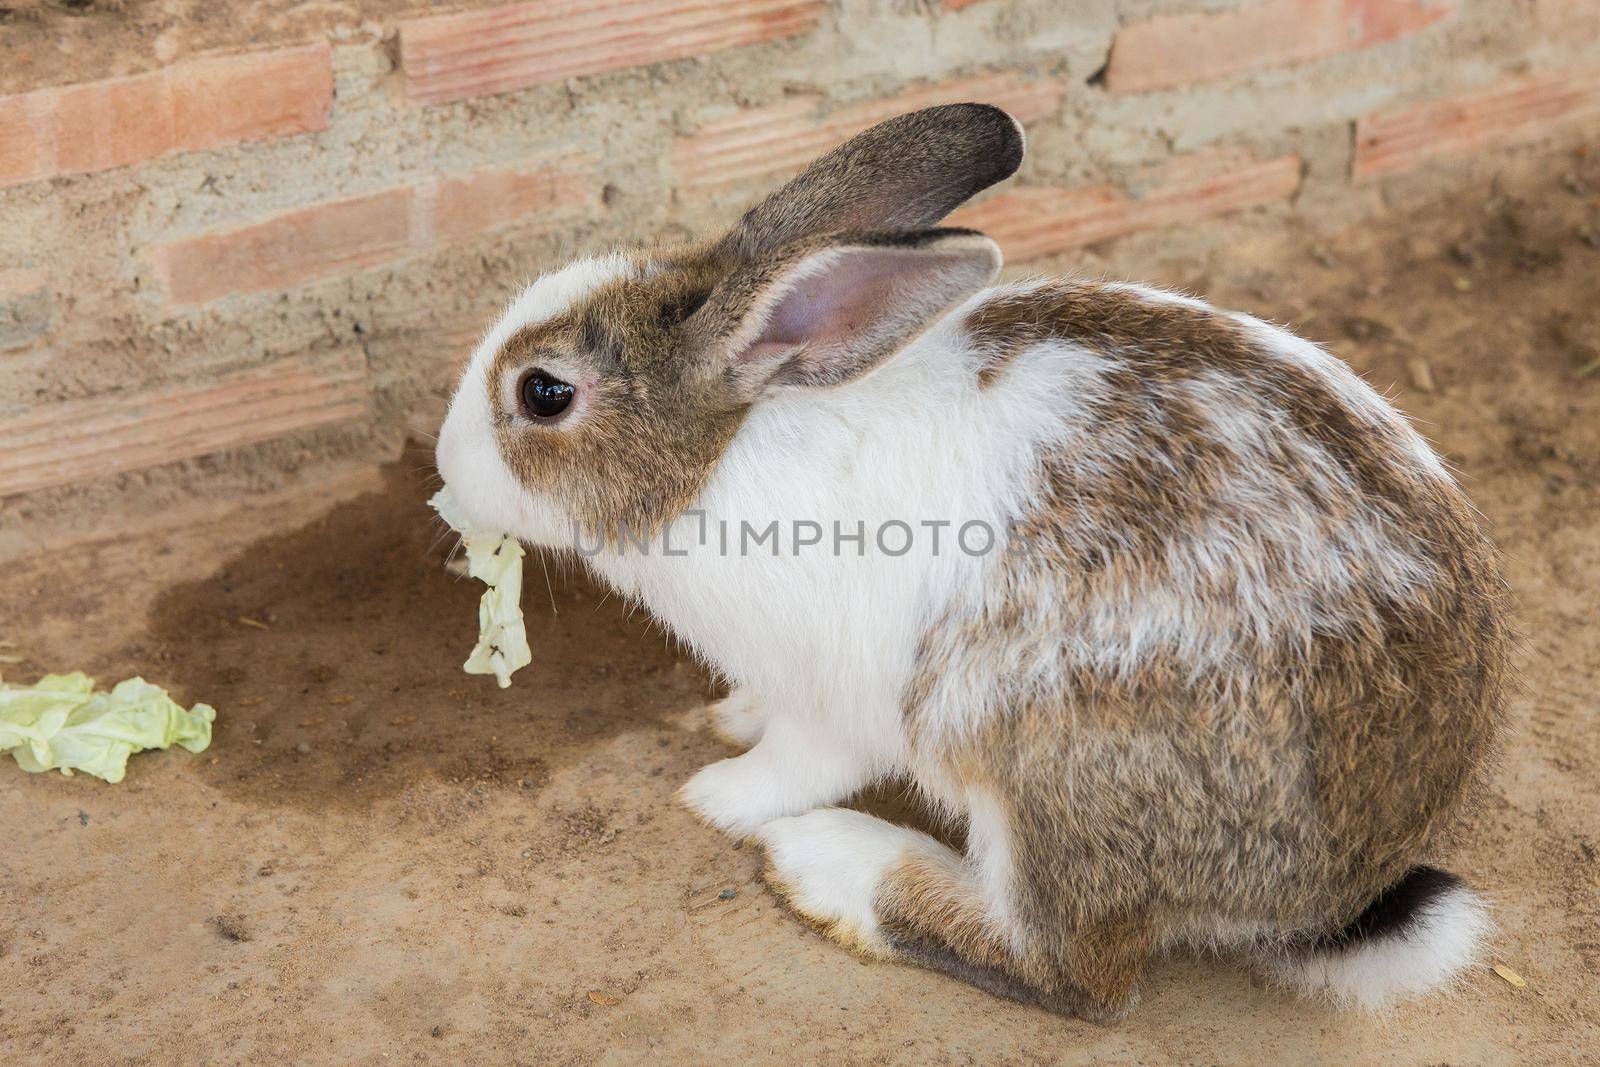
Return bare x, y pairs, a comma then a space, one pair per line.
495, 559
61, 723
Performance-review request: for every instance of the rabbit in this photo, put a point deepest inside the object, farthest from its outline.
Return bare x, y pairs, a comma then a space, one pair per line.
1210, 656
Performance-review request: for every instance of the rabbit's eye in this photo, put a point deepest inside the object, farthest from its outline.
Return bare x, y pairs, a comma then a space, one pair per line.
544, 397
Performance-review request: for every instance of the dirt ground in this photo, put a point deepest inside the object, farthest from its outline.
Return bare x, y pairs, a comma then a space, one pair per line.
382, 860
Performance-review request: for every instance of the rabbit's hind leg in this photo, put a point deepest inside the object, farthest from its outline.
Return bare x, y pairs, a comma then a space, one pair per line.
895, 893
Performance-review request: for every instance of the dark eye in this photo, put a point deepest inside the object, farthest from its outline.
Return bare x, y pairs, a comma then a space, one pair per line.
544, 397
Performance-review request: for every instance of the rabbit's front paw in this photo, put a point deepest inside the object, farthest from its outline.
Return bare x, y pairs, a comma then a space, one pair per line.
739, 719
781, 776
739, 795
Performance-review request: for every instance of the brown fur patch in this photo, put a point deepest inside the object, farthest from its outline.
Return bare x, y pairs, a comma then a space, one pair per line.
934, 913
929, 896
993, 365
657, 419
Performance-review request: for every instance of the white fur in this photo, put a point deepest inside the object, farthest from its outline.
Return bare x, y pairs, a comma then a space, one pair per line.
991, 857
740, 717
827, 642
830, 863
787, 772
1442, 942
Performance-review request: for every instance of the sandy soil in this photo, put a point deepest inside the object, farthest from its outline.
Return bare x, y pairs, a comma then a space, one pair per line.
381, 860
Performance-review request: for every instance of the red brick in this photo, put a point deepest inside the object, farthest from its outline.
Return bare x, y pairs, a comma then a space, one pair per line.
315, 242
252, 97
1514, 111
27, 144
94, 126
1034, 222
783, 138
465, 207
58, 444
1181, 49
475, 53
344, 236
99, 125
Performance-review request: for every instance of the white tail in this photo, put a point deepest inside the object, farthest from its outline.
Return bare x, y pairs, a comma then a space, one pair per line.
1416, 938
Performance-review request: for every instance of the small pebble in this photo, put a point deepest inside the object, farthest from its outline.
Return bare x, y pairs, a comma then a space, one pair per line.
302, 748
1421, 374
1361, 328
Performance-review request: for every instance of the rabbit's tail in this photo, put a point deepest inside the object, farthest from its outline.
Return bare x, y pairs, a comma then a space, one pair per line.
1417, 936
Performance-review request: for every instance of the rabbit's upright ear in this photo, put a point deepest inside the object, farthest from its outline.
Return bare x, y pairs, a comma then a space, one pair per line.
834, 308
903, 174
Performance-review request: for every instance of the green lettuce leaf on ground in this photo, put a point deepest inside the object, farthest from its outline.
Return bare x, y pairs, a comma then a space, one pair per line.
495, 559
61, 723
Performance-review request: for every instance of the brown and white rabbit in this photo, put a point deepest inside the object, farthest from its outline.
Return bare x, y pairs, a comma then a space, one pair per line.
1222, 679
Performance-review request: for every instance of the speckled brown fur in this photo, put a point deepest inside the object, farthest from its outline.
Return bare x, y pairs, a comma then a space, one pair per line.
1281, 789
932, 913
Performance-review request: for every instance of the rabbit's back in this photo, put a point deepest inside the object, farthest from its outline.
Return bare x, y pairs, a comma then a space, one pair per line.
1248, 646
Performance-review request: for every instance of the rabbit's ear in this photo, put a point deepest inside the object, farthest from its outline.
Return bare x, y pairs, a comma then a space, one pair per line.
903, 174
831, 312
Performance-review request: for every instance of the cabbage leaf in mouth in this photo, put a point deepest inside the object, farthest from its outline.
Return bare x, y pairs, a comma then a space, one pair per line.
495, 559
61, 723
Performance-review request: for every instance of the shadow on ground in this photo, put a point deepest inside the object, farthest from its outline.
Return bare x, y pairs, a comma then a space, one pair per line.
337, 649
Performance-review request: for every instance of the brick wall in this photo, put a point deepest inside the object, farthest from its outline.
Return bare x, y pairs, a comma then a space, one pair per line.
261, 251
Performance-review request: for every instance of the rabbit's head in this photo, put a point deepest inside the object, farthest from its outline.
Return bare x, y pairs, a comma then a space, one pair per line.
608, 391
